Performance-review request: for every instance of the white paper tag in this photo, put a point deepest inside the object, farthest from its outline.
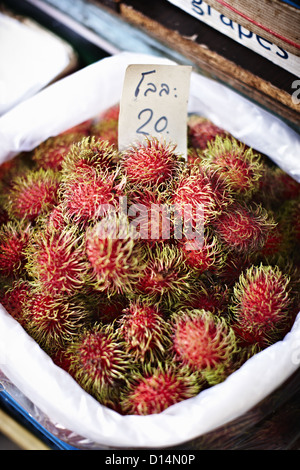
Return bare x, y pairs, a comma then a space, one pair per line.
154, 104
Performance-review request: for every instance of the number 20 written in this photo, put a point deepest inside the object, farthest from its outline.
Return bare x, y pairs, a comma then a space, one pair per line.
146, 114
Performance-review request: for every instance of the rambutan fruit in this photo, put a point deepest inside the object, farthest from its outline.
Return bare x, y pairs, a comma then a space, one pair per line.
14, 238
261, 304
151, 163
166, 277
54, 321
240, 166
114, 255
15, 297
244, 228
201, 131
145, 331
99, 363
51, 153
193, 198
88, 198
89, 155
56, 261
157, 389
33, 194
204, 342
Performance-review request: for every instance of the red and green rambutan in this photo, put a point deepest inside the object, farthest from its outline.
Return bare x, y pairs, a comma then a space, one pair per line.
201, 131
14, 238
99, 363
151, 163
159, 388
33, 194
166, 277
56, 261
89, 197
54, 321
194, 199
145, 331
262, 305
244, 228
114, 254
89, 155
239, 165
204, 342
51, 153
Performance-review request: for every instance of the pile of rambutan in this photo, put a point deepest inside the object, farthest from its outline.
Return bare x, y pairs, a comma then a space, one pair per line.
148, 277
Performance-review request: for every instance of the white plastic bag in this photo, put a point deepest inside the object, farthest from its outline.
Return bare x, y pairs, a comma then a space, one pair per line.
59, 107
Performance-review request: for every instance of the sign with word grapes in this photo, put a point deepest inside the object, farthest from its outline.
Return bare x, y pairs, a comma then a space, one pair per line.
154, 103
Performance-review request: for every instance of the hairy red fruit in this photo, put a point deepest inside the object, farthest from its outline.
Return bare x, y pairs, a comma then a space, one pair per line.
33, 194
201, 131
235, 163
156, 390
204, 342
261, 304
14, 238
243, 228
115, 256
89, 198
152, 163
99, 362
90, 155
194, 199
56, 261
144, 330
54, 321
166, 278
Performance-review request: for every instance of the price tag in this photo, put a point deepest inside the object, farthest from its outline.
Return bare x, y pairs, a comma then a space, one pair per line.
154, 104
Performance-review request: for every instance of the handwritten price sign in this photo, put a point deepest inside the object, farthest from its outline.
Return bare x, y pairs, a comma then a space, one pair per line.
154, 104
